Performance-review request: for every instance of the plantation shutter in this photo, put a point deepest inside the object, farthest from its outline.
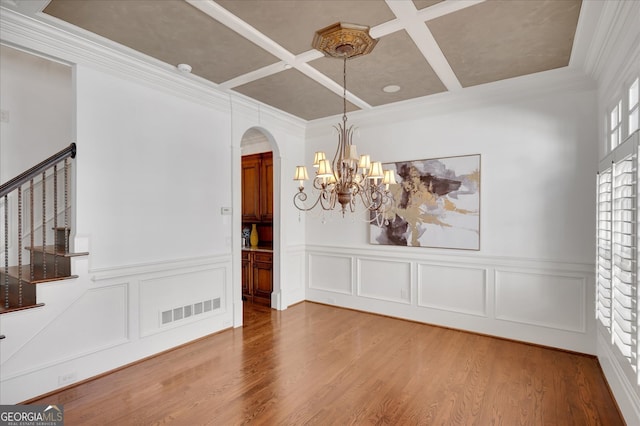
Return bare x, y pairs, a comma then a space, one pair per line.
623, 251
617, 239
603, 238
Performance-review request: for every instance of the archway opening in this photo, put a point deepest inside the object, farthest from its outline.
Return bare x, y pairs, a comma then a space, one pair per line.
260, 222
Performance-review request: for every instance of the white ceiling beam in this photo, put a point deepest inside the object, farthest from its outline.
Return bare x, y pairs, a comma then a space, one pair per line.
445, 8
236, 24
254, 75
414, 24
299, 62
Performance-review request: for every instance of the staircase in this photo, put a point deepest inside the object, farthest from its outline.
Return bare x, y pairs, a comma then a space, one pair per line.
33, 264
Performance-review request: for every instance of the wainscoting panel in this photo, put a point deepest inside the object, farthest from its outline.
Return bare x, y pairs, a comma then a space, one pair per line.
453, 288
99, 320
531, 300
384, 279
332, 273
550, 300
110, 317
188, 296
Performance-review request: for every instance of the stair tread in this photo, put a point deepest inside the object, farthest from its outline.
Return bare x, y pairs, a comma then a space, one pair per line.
52, 249
26, 275
4, 310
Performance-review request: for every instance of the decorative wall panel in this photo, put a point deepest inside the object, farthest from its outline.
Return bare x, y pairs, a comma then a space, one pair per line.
161, 293
99, 319
384, 279
537, 301
453, 288
333, 273
550, 300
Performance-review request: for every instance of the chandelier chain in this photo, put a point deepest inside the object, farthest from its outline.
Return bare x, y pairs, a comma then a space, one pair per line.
344, 90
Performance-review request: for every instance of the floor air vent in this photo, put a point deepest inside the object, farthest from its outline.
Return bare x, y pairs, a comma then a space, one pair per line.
187, 311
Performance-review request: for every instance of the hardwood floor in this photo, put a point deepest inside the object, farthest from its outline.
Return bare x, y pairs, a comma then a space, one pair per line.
316, 364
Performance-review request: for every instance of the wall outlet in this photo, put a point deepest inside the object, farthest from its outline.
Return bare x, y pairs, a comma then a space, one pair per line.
4, 116
67, 378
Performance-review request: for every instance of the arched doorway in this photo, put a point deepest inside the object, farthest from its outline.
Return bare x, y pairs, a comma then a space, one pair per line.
260, 158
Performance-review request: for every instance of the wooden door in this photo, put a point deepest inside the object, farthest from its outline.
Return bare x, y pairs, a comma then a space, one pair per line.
246, 276
251, 188
266, 187
262, 277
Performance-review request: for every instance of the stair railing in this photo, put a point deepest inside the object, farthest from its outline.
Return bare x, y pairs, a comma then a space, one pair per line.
40, 174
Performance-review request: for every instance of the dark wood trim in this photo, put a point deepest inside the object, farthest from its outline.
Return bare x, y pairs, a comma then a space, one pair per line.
27, 175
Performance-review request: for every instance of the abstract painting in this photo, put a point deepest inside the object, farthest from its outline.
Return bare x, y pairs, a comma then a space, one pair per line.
436, 204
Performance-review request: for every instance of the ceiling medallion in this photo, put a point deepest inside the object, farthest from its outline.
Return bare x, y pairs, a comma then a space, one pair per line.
348, 179
342, 40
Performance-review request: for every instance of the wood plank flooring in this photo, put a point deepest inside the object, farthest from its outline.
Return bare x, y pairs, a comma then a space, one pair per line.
316, 364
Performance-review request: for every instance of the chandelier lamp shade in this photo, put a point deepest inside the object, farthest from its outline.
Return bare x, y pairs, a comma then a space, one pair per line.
348, 177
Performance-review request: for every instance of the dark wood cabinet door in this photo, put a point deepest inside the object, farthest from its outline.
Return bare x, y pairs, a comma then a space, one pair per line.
266, 187
262, 277
251, 188
246, 276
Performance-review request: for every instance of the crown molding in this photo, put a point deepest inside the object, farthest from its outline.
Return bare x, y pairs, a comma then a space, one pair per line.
255, 113
590, 14
37, 37
80, 47
616, 34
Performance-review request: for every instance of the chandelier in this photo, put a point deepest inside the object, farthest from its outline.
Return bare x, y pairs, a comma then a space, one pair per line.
348, 177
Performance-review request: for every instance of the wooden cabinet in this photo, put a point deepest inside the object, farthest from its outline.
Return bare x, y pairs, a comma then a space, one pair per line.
257, 276
266, 187
251, 188
257, 188
246, 274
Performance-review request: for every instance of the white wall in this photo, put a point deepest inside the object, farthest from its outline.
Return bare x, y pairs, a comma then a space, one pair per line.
532, 278
154, 167
36, 124
158, 156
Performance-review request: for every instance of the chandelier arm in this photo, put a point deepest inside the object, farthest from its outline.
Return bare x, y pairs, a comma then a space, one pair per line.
301, 197
327, 200
318, 184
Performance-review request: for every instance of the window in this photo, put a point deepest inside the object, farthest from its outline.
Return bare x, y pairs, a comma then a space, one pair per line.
634, 95
617, 254
623, 119
615, 125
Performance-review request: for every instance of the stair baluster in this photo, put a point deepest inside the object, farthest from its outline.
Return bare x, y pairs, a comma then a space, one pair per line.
20, 246
46, 263
44, 223
66, 204
31, 234
55, 218
6, 251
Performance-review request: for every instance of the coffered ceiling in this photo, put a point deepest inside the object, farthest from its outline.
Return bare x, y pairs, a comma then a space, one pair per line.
262, 48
